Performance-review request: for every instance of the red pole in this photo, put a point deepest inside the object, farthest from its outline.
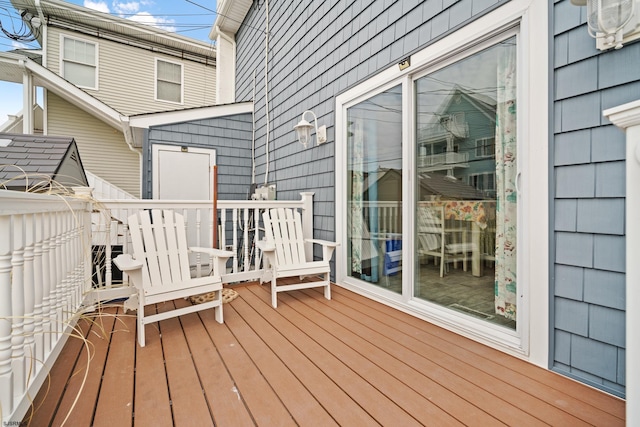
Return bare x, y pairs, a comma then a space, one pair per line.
215, 207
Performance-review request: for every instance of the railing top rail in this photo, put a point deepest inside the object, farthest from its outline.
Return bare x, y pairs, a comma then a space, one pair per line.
221, 204
16, 202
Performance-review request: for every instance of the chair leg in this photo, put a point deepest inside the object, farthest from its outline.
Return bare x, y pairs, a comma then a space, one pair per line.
327, 288
218, 309
274, 293
140, 317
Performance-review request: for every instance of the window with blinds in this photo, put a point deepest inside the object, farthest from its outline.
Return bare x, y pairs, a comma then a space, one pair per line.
80, 62
168, 81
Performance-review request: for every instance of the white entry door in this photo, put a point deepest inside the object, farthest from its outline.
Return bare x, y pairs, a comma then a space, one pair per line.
183, 173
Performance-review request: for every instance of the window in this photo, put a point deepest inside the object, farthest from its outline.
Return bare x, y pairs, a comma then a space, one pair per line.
485, 147
168, 81
485, 182
80, 62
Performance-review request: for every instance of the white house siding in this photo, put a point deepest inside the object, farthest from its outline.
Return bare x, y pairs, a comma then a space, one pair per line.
102, 148
126, 76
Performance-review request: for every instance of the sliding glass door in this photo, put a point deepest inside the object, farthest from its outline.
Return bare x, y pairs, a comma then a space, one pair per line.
466, 198
374, 189
458, 170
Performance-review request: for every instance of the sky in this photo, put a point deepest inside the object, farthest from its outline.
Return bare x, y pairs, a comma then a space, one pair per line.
188, 18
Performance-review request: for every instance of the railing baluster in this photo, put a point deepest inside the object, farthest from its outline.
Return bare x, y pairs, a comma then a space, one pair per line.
199, 244
38, 280
29, 295
6, 316
245, 237
17, 301
234, 244
47, 277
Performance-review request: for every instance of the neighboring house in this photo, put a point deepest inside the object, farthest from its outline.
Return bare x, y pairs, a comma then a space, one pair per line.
37, 163
97, 70
14, 123
377, 73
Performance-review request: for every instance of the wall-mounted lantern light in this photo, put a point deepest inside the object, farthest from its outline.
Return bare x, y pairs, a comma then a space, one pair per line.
611, 22
303, 130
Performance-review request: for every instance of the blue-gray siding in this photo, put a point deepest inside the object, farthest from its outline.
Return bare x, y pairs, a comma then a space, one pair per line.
316, 51
588, 185
230, 136
319, 49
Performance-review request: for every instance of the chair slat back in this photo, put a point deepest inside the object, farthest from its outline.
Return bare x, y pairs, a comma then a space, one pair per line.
431, 227
159, 241
283, 227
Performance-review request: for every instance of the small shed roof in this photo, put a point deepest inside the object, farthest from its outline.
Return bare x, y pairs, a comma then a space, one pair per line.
38, 163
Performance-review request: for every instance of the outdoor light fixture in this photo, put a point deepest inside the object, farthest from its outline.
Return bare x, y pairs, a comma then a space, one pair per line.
303, 130
610, 21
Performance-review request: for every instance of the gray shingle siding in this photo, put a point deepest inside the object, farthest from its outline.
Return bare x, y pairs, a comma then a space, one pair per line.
333, 46
588, 183
230, 136
317, 54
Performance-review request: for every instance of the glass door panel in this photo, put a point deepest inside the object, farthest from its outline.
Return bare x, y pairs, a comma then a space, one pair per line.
466, 205
374, 190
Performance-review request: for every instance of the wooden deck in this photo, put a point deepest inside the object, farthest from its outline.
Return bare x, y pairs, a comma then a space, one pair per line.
349, 361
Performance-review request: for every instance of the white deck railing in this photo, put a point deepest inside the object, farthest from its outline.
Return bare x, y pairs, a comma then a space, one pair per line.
44, 271
50, 274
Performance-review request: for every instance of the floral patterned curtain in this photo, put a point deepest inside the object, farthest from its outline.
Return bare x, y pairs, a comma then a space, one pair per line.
506, 174
357, 189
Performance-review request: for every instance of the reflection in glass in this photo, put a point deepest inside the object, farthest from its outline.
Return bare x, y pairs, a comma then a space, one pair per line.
466, 195
374, 189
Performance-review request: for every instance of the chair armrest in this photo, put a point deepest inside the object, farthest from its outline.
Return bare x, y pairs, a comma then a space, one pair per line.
213, 252
220, 258
323, 242
327, 247
126, 263
265, 246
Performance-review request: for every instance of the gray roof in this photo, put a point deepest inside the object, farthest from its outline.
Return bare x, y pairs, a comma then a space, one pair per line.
29, 162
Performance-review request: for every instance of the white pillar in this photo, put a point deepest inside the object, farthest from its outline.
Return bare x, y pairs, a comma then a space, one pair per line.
27, 103
627, 117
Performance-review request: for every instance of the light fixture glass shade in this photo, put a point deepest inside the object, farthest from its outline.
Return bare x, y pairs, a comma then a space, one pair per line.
303, 130
609, 17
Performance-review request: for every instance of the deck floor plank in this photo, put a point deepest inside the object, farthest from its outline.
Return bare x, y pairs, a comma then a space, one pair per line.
188, 402
223, 399
251, 331
255, 391
564, 394
46, 402
151, 403
445, 386
371, 388
81, 391
115, 401
347, 361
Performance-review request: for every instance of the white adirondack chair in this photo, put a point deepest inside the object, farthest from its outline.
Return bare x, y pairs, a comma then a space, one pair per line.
284, 250
160, 270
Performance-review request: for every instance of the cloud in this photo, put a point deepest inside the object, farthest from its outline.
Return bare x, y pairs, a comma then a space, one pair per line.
156, 21
100, 6
126, 8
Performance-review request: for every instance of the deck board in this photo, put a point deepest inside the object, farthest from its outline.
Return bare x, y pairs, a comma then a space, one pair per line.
115, 401
348, 361
551, 392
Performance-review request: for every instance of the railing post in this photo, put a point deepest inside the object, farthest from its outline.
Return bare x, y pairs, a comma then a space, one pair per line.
6, 314
307, 222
